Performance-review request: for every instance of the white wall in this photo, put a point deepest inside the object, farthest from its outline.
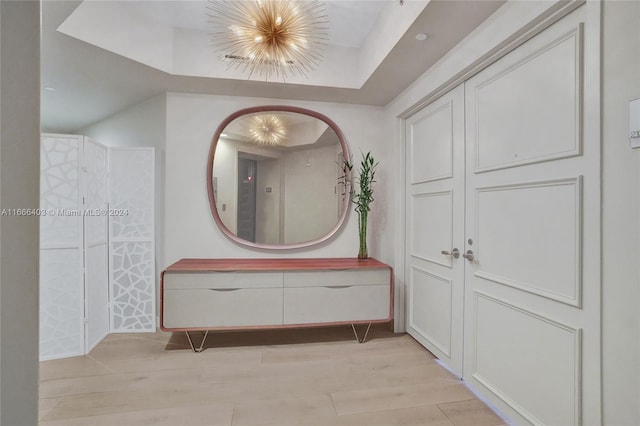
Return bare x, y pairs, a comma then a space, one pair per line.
225, 166
310, 206
140, 125
268, 206
621, 216
19, 188
143, 125
189, 227
620, 173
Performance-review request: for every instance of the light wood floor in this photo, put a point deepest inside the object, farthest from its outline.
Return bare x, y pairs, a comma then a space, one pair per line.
282, 377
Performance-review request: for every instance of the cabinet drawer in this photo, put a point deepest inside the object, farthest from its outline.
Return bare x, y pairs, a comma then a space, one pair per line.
209, 308
337, 278
221, 280
333, 303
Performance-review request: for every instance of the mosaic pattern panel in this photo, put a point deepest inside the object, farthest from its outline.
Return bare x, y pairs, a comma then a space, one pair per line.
132, 247
131, 189
95, 166
61, 304
61, 286
59, 191
132, 286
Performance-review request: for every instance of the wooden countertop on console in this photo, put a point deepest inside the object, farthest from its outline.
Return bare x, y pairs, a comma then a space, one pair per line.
201, 265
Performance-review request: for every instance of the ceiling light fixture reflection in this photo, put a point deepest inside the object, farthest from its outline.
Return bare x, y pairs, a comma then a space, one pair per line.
270, 37
267, 130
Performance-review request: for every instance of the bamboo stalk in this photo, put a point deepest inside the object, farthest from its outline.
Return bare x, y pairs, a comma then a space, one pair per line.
363, 198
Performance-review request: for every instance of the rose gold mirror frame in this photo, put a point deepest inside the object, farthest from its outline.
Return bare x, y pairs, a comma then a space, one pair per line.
212, 153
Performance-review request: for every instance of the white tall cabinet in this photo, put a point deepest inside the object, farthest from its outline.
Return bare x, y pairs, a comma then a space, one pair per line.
77, 252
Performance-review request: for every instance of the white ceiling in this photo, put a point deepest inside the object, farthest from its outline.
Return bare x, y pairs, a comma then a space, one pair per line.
349, 21
91, 83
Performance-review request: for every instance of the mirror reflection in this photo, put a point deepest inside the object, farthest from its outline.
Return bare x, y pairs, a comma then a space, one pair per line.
276, 178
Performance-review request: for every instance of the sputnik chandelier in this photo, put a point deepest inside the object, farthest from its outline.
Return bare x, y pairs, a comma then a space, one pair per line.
269, 37
267, 129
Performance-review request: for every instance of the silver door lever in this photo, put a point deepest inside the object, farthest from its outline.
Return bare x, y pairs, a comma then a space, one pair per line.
469, 255
455, 253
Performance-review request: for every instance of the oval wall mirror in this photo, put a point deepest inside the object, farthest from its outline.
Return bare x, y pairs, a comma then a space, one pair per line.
274, 177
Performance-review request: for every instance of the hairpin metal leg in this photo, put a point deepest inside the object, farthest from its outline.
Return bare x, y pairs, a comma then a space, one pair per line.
201, 347
365, 333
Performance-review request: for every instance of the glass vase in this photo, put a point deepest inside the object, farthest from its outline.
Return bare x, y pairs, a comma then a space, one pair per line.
362, 233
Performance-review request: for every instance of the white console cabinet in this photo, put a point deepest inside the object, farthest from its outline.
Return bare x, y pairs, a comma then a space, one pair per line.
220, 294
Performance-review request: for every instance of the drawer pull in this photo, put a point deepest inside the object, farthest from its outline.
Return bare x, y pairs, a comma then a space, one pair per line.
224, 289
338, 287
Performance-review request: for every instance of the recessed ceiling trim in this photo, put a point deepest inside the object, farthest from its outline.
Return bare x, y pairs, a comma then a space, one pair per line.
125, 29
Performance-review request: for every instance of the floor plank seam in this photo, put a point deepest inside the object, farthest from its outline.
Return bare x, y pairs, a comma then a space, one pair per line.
445, 414
333, 403
102, 364
233, 413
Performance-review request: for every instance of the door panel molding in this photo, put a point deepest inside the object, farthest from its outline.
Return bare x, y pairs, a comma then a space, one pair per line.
437, 341
443, 112
414, 240
537, 402
553, 54
538, 284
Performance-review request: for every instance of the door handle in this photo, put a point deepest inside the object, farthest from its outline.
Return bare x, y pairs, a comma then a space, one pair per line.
455, 253
469, 255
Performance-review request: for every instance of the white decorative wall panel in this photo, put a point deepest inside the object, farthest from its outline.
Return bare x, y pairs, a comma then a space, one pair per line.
131, 228
431, 215
431, 299
545, 84
432, 146
59, 191
131, 188
61, 280
513, 220
61, 304
529, 361
132, 286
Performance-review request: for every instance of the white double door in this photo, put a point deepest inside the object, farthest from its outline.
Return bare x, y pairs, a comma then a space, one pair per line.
503, 231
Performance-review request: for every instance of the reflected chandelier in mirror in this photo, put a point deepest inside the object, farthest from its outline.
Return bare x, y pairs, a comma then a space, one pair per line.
275, 177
